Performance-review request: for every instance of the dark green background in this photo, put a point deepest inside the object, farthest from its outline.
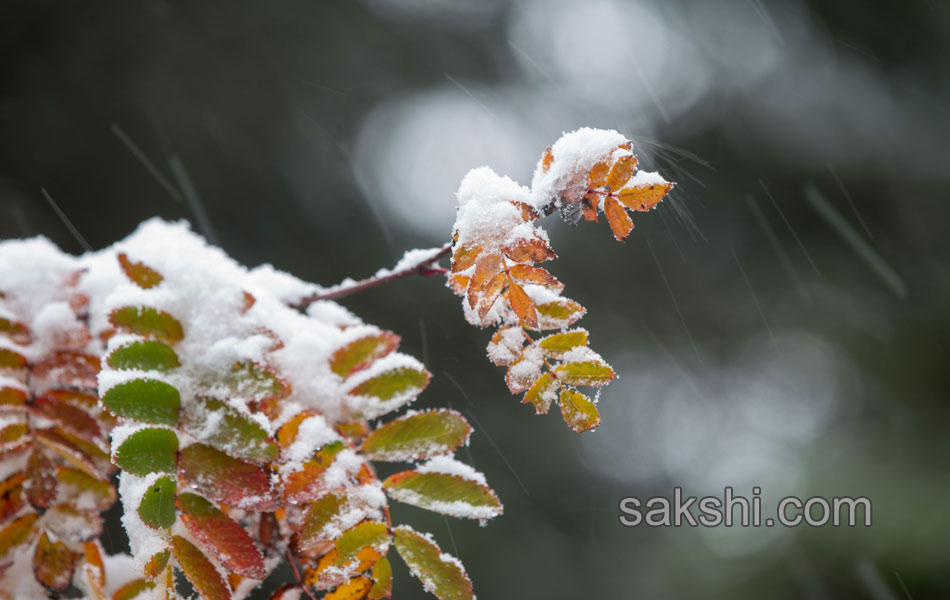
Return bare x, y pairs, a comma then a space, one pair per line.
262, 103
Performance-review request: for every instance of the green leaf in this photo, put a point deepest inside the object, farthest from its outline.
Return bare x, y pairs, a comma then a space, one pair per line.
559, 313
382, 580
541, 393
559, 343
151, 450
147, 400
417, 436
147, 321
578, 411
157, 508
322, 512
144, 355
155, 565
440, 574
354, 539
589, 372
139, 273
361, 353
224, 479
393, 382
451, 495
199, 570
233, 433
218, 532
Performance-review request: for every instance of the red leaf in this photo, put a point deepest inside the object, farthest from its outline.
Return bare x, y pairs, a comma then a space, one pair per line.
53, 564
216, 531
141, 274
224, 479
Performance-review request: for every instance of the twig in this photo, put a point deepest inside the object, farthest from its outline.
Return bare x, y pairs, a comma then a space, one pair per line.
346, 289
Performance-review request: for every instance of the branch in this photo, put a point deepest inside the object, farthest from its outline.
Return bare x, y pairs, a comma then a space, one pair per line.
349, 287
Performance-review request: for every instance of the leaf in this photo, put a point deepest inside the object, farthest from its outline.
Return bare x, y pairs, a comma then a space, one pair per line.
257, 382
216, 531
621, 171
13, 436
490, 295
505, 345
224, 479
361, 353
155, 565
330, 572
65, 447
589, 372
12, 397
132, 589
541, 393
464, 257
139, 273
72, 524
617, 217
307, 483
53, 564
233, 432
67, 415
15, 331
354, 589
643, 198
399, 381
528, 213
11, 495
529, 250
73, 369
157, 508
147, 321
598, 175
559, 314
523, 372
451, 495
94, 569
535, 275
546, 160
322, 512
589, 205
11, 360
382, 580
486, 268
41, 482
144, 355
76, 483
368, 533
441, 575
557, 344
199, 570
147, 400
17, 532
151, 450
416, 436
522, 305
578, 411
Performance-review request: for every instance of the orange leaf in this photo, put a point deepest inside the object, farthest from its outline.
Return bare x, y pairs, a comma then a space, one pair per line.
620, 223
528, 213
522, 305
621, 171
141, 274
490, 294
199, 570
598, 175
529, 250
459, 283
53, 564
465, 257
93, 568
546, 160
535, 275
644, 198
486, 267
354, 589
589, 205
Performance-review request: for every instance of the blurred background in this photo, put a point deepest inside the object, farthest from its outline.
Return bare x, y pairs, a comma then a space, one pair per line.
782, 321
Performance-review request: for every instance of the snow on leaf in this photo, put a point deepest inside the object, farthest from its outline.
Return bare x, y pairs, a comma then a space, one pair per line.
156, 564
535, 275
199, 570
522, 305
578, 411
222, 478
416, 436
617, 217
557, 344
68, 449
149, 450
559, 313
147, 355
323, 512
529, 250
66, 368
541, 393
139, 273
220, 426
147, 321
401, 382
78, 487
382, 580
53, 564
72, 524
505, 346
444, 493
68, 416
17, 532
368, 533
440, 574
224, 537
15, 331
147, 400
307, 483
360, 353
590, 372
157, 508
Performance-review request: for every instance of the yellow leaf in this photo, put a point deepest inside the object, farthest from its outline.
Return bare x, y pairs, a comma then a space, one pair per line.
644, 198
621, 171
578, 411
541, 393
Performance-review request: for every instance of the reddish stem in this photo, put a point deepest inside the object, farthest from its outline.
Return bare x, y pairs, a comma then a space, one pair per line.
339, 291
